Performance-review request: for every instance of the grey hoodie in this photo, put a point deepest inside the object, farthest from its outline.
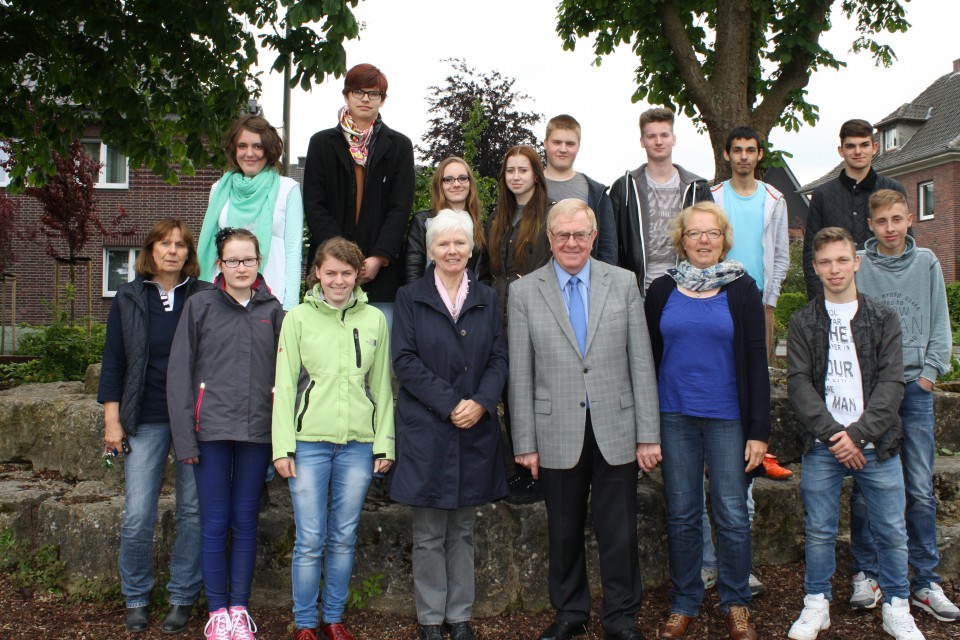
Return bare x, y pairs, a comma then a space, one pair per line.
912, 284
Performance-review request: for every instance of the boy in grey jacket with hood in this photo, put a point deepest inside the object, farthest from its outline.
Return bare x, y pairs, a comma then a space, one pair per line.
908, 279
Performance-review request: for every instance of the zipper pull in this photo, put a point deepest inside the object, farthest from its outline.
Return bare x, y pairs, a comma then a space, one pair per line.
356, 345
196, 413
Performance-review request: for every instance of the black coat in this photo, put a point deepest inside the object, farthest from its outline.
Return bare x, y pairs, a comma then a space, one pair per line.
330, 196
439, 363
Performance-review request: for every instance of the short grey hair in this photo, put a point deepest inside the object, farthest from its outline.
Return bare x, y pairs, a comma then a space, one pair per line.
568, 208
449, 220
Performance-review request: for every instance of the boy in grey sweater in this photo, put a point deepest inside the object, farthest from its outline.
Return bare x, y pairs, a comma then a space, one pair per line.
908, 279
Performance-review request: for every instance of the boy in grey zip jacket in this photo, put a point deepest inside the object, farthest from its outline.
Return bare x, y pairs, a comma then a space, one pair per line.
908, 279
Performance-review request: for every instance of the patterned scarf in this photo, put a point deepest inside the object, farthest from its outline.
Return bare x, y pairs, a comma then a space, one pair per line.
688, 276
357, 140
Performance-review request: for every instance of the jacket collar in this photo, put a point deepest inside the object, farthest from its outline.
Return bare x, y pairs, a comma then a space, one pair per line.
867, 184
384, 139
424, 291
599, 289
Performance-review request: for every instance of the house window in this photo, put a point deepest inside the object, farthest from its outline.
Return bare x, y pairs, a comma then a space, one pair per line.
114, 172
890, 139
925, 200
4, 176
118, 263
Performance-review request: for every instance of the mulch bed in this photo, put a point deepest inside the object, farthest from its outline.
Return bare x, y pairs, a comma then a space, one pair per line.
50, 616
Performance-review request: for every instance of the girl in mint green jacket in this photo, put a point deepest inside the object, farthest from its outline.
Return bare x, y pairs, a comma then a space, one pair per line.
332, 426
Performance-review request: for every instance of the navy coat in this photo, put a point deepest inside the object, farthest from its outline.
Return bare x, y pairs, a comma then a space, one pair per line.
439, 363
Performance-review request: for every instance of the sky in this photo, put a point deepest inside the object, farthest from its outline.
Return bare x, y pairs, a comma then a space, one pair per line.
409, 42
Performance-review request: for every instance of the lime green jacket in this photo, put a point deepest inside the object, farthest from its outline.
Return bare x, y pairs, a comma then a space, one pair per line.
333, 377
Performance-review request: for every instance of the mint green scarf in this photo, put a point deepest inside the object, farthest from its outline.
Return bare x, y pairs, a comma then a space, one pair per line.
252, 201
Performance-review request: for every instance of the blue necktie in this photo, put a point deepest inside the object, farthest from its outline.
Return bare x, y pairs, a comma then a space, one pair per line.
578, 318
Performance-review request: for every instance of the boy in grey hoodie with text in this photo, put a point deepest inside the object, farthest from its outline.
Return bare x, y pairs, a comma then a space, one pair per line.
908, 279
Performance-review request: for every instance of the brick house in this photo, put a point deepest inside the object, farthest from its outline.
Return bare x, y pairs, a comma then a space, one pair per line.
919, 145
145, 197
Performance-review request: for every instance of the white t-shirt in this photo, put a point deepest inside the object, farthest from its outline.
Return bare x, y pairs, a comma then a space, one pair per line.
843, 386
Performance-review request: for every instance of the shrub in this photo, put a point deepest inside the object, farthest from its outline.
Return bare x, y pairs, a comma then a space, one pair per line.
787, 305
64, 351
953, 304
794, 282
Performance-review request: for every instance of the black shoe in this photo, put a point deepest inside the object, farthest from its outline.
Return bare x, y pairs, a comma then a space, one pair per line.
562, 630
461, 631
137, 619
626, 634
177, 618
431, 632
527, 491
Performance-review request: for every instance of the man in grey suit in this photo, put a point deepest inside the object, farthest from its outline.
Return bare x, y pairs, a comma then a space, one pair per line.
583, 400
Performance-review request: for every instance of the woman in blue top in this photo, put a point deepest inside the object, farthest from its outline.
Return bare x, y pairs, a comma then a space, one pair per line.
707, 332
254, 196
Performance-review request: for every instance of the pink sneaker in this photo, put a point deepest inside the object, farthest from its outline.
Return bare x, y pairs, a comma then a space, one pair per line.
242, 625
218, 626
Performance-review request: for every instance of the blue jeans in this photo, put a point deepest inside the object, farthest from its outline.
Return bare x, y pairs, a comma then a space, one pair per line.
709, 551
387, 309
341, 472
916, 454
229, 483
143, 476
882, 486
687, 443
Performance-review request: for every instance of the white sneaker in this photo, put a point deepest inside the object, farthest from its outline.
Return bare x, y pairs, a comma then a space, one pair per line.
757, 588
866, 592
814, 618
898, 622
935, 603
709, 577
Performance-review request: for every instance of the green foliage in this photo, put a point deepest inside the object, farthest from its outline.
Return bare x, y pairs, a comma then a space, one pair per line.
421, 194
31, 569
794, 282
954, 373
370, 587
65, 351
953, 304
787, 305
13, 374
728, 63
497, 125
100, 590
163, 79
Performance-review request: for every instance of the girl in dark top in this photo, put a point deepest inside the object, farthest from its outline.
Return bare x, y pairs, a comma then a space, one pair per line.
220, 401
133, 390
707, 331
517, 245
453, 187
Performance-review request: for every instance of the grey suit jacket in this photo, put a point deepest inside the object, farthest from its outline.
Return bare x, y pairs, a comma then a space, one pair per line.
549, 381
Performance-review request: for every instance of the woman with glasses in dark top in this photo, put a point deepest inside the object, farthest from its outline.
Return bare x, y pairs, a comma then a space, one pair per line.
453, 187
358, 184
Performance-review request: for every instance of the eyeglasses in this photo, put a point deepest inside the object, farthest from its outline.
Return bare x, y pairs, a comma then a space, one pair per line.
373, 95
562, 237
233, 263
452, 179
696, 234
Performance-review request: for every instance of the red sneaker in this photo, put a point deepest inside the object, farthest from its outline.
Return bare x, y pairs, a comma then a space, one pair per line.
305, 634
336, 631
774, 470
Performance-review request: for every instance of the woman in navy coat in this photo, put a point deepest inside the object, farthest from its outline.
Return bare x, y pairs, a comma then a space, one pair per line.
450, 357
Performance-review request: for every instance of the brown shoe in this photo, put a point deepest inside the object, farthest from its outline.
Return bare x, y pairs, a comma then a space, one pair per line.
738, 624
675, 626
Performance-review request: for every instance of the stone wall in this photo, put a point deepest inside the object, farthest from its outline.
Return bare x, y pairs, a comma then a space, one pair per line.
54, 490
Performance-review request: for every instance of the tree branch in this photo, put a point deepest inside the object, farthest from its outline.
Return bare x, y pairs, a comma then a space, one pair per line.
686, 59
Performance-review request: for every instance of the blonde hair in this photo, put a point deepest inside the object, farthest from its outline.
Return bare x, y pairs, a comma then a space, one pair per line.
679, 226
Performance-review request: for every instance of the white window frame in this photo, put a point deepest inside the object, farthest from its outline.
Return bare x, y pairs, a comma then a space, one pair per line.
922, 200
131, 272
890, 139
102, 177
4, 176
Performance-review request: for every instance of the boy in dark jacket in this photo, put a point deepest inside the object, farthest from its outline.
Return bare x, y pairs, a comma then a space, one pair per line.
845, 380
844, 202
